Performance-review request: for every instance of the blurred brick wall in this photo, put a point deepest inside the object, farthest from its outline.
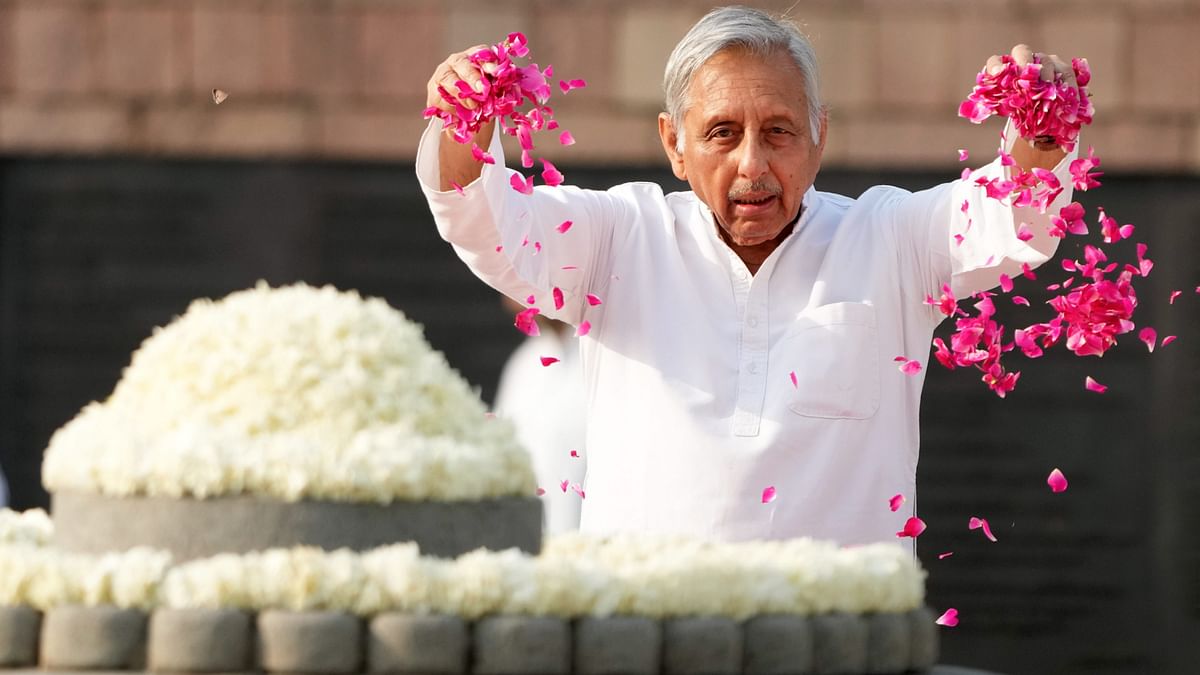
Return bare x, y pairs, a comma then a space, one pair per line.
345, 78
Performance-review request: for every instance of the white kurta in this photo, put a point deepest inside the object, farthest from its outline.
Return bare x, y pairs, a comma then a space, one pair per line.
691, 409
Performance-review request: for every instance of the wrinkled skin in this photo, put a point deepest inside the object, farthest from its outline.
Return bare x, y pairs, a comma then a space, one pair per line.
748, 151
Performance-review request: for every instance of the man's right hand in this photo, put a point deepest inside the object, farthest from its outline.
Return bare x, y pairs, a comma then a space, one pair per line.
455, 159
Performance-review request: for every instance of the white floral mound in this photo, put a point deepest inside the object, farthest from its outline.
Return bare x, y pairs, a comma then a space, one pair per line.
32, 527
574, 576
292, 393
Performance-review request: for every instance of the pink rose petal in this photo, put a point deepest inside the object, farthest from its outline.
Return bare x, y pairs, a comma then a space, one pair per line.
947, 554
1149, 336
895, 503
547, 360
557, 293
795, 382
526, 323
977, 523
537, 247
1092, 385
948, 619
911, 367
1020, 300
458, 188
578, 489
1174, 294
499, 248
963, 155
541, 491
768, 494
566, 225
520, 184
566, 138
575, 453
584, 328
1027, 272
913, 527
1168, 340
563, 485
1023, 232
1006, 283
593, 299
1057, 481
569, 267
551, 175
531, 300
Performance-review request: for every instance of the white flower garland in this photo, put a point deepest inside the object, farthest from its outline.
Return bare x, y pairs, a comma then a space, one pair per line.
294, 393
32, 527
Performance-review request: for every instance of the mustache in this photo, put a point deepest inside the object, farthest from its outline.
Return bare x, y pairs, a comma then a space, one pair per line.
756, 187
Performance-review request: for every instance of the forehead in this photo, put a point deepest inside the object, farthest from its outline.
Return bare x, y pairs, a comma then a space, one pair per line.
737, 82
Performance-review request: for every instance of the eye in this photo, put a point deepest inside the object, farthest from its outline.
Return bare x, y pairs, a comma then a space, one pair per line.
721, 132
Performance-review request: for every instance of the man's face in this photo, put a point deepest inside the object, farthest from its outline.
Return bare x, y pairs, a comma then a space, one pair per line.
748, 151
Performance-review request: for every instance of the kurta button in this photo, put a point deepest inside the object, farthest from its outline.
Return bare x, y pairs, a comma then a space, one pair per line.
752, 322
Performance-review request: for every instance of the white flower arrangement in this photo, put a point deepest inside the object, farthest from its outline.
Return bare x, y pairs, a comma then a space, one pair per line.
44, 578
31, 527
291, 393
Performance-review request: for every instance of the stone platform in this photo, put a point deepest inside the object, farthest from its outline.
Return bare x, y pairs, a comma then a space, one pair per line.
200, 528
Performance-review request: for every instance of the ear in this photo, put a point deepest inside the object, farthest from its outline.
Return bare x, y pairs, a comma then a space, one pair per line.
824, 130
670, 135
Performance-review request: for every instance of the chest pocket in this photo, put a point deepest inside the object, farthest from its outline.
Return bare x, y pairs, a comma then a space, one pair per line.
834, 351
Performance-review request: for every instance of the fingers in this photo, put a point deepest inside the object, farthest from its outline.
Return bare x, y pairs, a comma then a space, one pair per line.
1023, 54
456, 67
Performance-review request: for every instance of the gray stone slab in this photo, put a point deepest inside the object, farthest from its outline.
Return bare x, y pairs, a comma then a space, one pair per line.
925, 639
889, 643
309, 642
92, 638
617, 645
200, 640
19, 636
839, 644
778, 645
706, 645
521, 645
417, 644
199, 528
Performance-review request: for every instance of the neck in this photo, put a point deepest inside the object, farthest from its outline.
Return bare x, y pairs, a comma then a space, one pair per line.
754, 256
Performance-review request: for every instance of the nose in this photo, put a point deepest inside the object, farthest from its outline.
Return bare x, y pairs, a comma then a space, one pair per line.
752, 157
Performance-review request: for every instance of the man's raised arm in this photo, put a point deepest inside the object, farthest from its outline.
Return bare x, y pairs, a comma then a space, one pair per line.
457, 164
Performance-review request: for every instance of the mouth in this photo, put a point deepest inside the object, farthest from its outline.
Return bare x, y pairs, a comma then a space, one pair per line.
750, 204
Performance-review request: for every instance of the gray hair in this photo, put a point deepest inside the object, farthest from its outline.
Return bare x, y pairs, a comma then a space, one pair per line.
753, 30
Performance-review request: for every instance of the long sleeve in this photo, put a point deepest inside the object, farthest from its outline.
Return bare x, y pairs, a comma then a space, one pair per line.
954, 233
512, 241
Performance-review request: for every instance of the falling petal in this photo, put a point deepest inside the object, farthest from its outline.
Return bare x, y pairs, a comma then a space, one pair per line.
569, 267
947, 554
520, 184
958, 240
895, 503
219, 96
541, 491
1092, 385
1023, 232
948, 619
593, 299
911, 367
566, 138
1006, 283
1027, 272
566, 225
584, 328
1168, 340
457, 188
578, 489
795, 382
1020, 300
551, 175
966, 173
558, 297
575, 453
547, 360
481, 156
526, 323
499, 248
977, 523
768, 494
537, 247
963, 155
564, 485
1057, 481
1174, 294
1149, 336
913, 527
531, 300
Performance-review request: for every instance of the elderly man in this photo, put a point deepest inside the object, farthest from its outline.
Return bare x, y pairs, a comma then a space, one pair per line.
748, 327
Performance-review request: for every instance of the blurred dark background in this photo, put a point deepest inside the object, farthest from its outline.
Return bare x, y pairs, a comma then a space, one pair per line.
1100, 579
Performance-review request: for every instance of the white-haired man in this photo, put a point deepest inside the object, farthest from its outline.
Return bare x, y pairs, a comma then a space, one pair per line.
748, 326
